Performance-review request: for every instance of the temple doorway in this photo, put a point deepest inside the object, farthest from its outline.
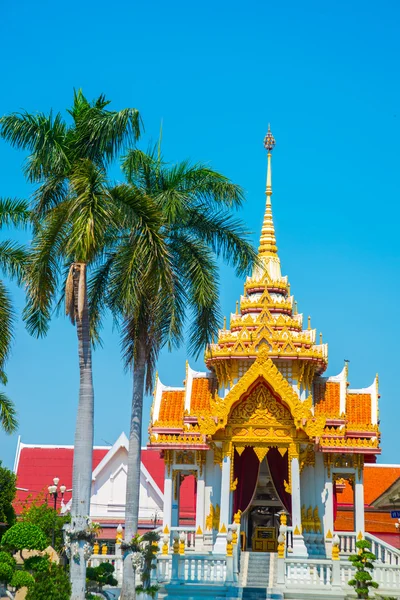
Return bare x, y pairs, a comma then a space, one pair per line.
261, 496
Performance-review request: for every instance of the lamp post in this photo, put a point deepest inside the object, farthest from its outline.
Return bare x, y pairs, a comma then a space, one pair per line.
55, 491
155, 518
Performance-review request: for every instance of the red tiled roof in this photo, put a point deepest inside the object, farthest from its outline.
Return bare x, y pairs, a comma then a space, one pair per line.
37, 466
377, 479
201, 392
155, 465
358, 409
171, 407
327, 398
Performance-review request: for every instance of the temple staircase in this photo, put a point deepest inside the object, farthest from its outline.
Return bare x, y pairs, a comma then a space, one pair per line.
257, 576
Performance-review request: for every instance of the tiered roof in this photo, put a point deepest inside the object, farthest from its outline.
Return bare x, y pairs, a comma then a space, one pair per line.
351, 415
267, 316
266, 322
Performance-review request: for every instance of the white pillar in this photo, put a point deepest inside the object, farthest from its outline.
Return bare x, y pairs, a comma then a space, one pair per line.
359, 502
200, 519
200, 502
175, 501
220, 544
299, 547
167, 511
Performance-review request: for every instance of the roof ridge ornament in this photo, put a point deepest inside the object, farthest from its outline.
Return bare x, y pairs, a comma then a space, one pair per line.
268, 245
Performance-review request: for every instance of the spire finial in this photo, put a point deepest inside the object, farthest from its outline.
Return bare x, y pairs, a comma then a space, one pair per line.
267, 240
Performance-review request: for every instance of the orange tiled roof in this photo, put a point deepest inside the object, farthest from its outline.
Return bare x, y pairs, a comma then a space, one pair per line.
327, 398
358, 409
376, 481
171, 407
201, 391
375, 521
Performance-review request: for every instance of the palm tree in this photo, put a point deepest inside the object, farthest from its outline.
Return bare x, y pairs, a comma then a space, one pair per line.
12, 263
152, 297
75, 216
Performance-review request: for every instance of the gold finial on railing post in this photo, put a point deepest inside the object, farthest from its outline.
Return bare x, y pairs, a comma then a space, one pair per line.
182, 543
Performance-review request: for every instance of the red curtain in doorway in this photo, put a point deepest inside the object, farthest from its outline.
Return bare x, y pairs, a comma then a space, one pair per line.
246, 468
279, 469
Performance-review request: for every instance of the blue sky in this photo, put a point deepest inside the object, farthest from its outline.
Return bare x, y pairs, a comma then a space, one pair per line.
324, 74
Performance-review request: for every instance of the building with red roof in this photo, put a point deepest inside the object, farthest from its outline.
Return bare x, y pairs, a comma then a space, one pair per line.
36, 465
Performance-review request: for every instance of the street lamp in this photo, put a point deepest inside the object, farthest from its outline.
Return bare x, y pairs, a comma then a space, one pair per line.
155, 518
56, 491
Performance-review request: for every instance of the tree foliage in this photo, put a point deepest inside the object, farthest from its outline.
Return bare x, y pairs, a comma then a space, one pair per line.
21, 579
13, 261
24, 536
7, 495
99, 576
44, 516
363, 562
52, 583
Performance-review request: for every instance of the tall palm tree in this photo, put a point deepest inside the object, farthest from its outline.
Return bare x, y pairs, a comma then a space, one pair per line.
13, 256
152, 297
75, 214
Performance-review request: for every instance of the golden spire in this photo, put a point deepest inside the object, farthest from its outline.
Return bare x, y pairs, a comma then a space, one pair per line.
267, 240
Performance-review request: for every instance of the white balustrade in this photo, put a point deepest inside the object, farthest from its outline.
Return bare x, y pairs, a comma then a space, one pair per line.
192, 568
190, 537
385, 553
308, 572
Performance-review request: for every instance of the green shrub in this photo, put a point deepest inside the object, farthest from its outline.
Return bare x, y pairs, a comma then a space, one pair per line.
36, 564
7, 567
24, 536
6, 572
363, 561
52, 584
21, 579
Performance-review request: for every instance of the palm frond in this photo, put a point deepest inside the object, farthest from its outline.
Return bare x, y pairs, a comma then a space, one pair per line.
224, 234
44, 135
48, 195
200, 274
98, 297
13, 259
7, 320
103, 133
45, 262
14, 212
8, 414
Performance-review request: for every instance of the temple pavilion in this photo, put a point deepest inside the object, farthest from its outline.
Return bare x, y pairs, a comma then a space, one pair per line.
268, 437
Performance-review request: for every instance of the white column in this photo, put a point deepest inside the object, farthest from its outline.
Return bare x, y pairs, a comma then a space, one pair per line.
359, 502
167, 511
200, 504
200, 519
299, 547
220, 544
175, 502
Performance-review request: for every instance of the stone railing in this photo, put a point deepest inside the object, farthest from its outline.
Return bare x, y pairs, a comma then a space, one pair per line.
308, 572
191, 568
385, 553
190, 537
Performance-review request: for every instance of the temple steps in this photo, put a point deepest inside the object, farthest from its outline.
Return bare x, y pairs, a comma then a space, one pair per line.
256, 575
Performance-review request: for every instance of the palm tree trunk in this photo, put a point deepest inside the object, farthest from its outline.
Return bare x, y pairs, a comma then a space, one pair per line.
133, 478
83, 447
